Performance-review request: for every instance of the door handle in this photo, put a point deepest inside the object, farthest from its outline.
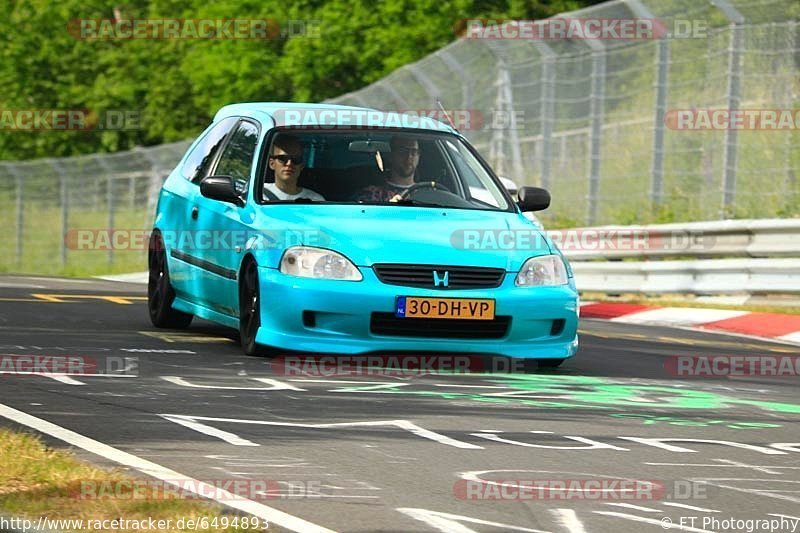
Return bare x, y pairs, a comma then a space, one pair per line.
194, 213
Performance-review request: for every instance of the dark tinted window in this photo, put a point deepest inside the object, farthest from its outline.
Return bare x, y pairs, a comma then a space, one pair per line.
197, 165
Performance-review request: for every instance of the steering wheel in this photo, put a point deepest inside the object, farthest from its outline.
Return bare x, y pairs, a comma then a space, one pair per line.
435, 186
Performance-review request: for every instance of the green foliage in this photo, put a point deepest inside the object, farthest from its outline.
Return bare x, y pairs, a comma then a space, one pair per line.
177, 85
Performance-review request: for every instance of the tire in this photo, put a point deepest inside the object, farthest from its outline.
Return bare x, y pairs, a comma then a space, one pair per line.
160, 294
249, 309
533, 365
550, 363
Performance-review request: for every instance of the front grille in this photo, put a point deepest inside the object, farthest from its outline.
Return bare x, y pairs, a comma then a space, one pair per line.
458, 277
390, 325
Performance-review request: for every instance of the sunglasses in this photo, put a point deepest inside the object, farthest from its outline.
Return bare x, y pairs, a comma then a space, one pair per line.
284, 159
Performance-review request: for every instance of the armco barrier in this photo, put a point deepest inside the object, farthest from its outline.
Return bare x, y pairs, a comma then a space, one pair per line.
723, 238
721, 257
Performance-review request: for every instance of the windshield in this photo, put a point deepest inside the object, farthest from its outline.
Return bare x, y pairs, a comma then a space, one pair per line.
377, 167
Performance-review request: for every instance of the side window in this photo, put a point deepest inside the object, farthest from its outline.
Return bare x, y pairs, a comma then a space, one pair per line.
471, 175
196, 166
237, 158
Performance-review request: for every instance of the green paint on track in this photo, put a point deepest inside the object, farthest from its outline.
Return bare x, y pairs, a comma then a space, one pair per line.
586, 392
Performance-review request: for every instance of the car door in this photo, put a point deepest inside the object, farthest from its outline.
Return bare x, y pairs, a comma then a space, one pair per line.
228, 224
181, 209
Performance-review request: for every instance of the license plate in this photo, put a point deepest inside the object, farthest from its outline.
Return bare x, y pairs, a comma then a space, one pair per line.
453, 308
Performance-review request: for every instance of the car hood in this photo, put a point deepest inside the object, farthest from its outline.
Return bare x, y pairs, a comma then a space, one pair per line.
369, 234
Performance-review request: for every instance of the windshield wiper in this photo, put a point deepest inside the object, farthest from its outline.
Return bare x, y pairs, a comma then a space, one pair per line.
415, 203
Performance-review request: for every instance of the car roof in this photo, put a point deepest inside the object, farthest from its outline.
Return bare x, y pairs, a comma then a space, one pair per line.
330, 115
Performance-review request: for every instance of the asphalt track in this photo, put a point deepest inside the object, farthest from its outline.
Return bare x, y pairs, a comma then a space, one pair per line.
394, 453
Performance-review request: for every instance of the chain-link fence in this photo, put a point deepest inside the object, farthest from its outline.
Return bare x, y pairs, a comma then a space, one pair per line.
47, 202
589, 119
593, 120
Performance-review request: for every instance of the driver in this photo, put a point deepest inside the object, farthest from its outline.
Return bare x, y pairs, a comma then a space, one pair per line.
404, 159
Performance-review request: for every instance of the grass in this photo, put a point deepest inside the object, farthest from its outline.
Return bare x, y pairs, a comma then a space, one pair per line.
43, 245
39, 481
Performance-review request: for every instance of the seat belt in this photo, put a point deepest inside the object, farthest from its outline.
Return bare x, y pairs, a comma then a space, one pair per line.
270, 195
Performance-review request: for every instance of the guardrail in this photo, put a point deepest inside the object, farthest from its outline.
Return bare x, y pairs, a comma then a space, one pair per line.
721, 257
724, 238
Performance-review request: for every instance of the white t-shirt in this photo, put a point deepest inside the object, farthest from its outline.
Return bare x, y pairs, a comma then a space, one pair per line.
304, 193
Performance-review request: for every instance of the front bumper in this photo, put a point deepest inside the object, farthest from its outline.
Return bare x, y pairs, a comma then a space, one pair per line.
342, 310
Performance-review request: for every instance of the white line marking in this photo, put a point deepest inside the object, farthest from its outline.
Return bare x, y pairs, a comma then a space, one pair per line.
653, 521
691, 507
371, 388
223, 497
64, 379
636, 507
274, 384
569, 519
591, 444
348, 382
450, 523
742, 465
767, 493
402, 424
662, 443
783, 516
228, 437
455, 386
761, 469
78, 374
278, 385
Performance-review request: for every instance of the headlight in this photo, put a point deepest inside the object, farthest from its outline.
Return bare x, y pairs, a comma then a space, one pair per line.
541, 271
308, 262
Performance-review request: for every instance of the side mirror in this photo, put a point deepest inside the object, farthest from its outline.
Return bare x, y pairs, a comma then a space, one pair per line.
509, 185
221, 188
533, 199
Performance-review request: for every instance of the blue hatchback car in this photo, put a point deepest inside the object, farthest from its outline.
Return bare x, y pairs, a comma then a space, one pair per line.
334, 229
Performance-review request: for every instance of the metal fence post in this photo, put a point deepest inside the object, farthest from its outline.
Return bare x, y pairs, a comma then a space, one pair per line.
547, 106
109, 203
662, 88
734, 98
662, 75
110, 200
20, 206
154, 185
507, 96
596, 111
62, 179
504, 102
